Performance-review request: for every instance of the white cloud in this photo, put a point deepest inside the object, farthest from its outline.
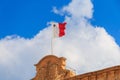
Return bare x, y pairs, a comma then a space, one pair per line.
86, 47
77, 9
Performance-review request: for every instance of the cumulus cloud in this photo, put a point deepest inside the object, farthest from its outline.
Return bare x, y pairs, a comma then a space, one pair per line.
85, 46
89, 46
77, 9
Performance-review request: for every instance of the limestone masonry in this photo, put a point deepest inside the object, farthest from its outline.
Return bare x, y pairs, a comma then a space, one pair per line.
53, 68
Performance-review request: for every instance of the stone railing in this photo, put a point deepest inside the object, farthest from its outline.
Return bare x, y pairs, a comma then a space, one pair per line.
112, 73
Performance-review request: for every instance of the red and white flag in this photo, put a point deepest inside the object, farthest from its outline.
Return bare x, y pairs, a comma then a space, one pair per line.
58, 29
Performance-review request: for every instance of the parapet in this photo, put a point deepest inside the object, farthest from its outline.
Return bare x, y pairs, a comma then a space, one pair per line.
112, 73
52, 68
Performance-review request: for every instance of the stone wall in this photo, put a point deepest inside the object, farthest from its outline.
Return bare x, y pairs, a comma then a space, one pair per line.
112, 73
52, 68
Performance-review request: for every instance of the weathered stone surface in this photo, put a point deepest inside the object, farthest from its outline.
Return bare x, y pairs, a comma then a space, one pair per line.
112, 73
53, 68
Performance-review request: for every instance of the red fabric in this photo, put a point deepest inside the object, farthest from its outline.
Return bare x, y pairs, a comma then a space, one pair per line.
62, 29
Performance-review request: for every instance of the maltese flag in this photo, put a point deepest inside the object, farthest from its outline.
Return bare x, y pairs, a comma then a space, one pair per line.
58, 29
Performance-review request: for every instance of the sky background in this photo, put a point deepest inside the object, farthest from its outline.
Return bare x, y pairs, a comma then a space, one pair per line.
92, 35
27, 17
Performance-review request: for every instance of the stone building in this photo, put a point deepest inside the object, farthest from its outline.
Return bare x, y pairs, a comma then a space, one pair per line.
54, 68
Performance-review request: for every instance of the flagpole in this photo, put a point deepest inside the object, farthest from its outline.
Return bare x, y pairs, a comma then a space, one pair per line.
52, 37
57, 31
52, 46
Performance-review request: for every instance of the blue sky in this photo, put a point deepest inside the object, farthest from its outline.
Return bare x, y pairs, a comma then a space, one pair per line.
107, 15
91, 27
27, 17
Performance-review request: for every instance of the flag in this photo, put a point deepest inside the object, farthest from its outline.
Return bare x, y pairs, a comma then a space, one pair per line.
58, 29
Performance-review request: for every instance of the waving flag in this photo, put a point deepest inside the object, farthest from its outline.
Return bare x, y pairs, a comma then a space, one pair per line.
58, 29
